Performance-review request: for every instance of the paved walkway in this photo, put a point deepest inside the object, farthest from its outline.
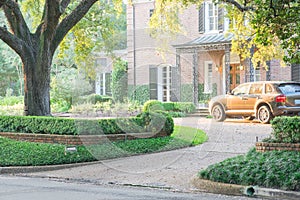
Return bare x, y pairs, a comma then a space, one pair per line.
173, 169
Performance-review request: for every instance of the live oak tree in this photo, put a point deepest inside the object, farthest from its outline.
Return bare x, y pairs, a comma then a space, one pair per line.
272, 27
36, 44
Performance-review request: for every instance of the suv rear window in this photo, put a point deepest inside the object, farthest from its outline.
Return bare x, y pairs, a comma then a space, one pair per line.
289, 88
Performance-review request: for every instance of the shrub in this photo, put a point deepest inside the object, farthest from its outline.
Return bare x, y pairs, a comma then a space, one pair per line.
186, 107
11, 100
152, 106
286, 129
94, 98
146, 122
119, 82
139, 94
274, 169
159, 121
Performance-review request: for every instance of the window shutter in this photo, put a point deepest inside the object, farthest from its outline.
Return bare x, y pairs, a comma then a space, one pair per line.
202, 18
153, 82
220, 18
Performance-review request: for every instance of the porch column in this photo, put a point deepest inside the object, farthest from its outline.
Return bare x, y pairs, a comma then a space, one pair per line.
227, 68
268, 74
176, 80
251, 70
195, 78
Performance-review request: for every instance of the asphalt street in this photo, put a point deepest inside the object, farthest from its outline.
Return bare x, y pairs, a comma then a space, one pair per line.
16, 188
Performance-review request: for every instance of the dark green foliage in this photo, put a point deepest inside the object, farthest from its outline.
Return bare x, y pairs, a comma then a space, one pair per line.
168, 106
274, 169
285, 130
140, 94
15, 153
93, 98
153, 106
44, 125
186, 107
156, 122
205, 97
119, 82
50, 125
186, 94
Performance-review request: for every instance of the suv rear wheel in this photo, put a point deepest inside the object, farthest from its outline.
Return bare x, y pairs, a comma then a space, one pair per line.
218, 113
264, 114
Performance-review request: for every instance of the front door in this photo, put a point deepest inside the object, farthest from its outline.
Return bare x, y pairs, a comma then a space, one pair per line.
234, 76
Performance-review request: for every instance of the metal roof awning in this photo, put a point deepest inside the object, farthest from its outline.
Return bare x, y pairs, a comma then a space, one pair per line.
207, 42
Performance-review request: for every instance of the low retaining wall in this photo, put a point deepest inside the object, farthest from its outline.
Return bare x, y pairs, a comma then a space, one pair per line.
77, 140
265, 146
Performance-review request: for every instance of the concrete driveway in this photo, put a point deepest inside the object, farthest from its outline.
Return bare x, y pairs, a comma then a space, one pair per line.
173, 169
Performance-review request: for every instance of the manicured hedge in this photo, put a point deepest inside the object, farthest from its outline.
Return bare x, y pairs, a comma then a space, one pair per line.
286, 130
155, 105
146, 122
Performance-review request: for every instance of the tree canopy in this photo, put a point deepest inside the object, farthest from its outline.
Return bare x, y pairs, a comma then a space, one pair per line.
35, 30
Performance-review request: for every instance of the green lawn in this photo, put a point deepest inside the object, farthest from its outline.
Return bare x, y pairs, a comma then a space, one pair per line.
17, 153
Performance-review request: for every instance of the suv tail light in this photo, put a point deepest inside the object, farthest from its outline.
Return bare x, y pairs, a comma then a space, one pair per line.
280, 99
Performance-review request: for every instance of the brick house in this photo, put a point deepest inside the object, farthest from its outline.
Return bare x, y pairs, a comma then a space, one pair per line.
197, 66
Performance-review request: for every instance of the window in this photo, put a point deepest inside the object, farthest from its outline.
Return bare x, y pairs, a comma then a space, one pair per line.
269, 89
160, 82
103, 77
256, 89
213, 16
208, 70
257, 74
151, 12
153, 82
103, 84
167, 81
241, 89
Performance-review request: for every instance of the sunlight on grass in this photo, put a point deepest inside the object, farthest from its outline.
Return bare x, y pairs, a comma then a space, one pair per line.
189, 134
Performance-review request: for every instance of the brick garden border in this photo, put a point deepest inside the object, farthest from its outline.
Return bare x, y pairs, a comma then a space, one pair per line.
77, 140
265, 146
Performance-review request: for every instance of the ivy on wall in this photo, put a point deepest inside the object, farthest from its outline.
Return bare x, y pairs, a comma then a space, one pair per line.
140, 94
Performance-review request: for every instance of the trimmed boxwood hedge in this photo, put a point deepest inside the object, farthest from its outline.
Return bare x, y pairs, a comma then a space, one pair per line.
145, 122
155, 105
285, 130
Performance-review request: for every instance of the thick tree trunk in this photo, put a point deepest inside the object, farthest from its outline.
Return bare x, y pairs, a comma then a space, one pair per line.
37, 84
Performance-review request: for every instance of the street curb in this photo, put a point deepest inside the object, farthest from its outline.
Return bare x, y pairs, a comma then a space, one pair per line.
32, 169
239, 190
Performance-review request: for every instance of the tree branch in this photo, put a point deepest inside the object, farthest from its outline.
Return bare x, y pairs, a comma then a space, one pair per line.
12, 41
51, 17
15, 19
63, 5
242, 8
70, 21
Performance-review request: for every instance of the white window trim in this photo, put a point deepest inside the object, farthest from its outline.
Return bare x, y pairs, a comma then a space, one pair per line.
208, 77
207, 28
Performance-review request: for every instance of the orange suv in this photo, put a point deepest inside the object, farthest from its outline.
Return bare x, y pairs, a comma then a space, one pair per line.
262, 100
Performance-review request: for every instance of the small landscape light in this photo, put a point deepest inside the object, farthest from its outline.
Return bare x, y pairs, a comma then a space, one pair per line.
70, 149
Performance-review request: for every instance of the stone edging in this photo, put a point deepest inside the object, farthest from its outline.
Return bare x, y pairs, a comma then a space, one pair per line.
265, 146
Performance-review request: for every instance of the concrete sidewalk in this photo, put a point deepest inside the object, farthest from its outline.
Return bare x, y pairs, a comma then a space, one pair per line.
173, 169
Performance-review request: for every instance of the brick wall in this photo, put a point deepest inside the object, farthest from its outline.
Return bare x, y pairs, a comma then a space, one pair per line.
77, 140
264, 146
